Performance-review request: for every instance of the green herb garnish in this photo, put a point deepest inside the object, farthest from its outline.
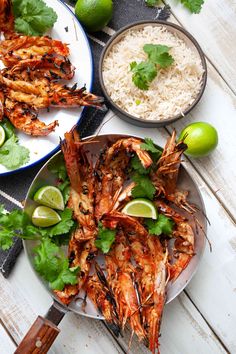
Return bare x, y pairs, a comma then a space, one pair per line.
194, 6
144, 187
51, 263
33, 18
12, 155
162, 225
151, 3
105, 238
146, 71
58, 168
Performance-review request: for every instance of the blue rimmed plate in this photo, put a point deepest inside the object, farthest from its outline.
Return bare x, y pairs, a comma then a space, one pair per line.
68, 30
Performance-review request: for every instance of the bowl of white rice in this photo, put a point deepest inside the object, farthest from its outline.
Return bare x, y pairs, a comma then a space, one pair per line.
172, 93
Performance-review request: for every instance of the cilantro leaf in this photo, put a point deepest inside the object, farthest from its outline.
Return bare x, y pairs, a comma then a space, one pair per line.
18, 224
158, 54
194, 6
144, 187
149, 146
151, 3
105, 238
13, 155
162, 225
143, 74
53, 266
33, 18
137, 166
64, 226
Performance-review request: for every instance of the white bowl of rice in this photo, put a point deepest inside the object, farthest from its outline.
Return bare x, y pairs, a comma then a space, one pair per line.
172, 93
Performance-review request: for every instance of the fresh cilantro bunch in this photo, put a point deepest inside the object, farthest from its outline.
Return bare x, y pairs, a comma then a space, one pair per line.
33, 18
163, 225
51, 263
18, 224
105, 238
12, 155
146, 71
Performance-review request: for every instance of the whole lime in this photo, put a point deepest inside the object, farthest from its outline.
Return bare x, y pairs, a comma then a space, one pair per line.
94, 14
200, 137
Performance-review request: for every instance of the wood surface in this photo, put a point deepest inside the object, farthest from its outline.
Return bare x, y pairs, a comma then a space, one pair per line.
202, 319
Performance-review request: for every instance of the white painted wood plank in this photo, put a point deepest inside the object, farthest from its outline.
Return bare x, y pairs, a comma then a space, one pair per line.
215, 30
6, 344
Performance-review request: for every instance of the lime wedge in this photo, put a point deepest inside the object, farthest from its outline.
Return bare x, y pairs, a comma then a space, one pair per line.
2, 135
140, 207
44, 216
50, 196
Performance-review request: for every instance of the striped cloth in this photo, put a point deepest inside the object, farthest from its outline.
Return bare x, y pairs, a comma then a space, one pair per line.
13, 188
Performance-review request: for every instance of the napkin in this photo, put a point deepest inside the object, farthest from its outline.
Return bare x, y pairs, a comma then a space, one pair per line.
13, 188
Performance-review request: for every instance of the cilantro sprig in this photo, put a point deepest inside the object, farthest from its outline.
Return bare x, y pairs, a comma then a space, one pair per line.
51, 263
12, 154
33, 18
18, 224
146, 71
163, 225
144, 187
58, 168
194, 6
105, 238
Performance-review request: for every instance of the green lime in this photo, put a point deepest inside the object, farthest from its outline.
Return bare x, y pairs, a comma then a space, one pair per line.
201, 138
2, 136
140, 207
44, 217
94, 14
50, 196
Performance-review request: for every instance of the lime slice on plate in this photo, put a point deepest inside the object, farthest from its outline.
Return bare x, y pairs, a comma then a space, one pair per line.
140, 207
50, 196
44, 216
2, 135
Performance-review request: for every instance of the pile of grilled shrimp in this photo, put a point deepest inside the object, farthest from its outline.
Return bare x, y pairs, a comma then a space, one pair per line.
30, 79
131, 289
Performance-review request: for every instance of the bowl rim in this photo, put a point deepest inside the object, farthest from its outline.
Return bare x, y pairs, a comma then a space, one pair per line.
149, 121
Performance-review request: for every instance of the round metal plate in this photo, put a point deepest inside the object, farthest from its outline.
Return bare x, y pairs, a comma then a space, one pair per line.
185, 182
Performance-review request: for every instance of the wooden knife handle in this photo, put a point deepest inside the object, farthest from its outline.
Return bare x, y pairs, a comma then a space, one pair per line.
39, 338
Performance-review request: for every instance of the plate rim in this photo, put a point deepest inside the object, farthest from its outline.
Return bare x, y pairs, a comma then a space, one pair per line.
168, 300
84, 109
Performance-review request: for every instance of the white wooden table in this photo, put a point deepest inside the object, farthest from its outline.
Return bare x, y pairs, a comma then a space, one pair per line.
203, 318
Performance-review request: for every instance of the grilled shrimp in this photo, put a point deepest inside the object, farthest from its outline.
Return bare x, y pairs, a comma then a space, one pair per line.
24, 118
2, 100
165, 177
81, 176
112, 167
82, 248
6, 17
121, 279
184, 249
43, 94
25, 47
50, 67
151, 275
101, 295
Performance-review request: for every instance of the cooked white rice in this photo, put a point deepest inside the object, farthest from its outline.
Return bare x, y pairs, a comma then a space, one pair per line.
174, 88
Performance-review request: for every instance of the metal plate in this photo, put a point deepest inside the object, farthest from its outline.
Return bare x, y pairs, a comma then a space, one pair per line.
185, 182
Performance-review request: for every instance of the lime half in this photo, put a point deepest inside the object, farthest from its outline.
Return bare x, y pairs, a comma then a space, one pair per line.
44, 216
2, 136
140, 207
50, 196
